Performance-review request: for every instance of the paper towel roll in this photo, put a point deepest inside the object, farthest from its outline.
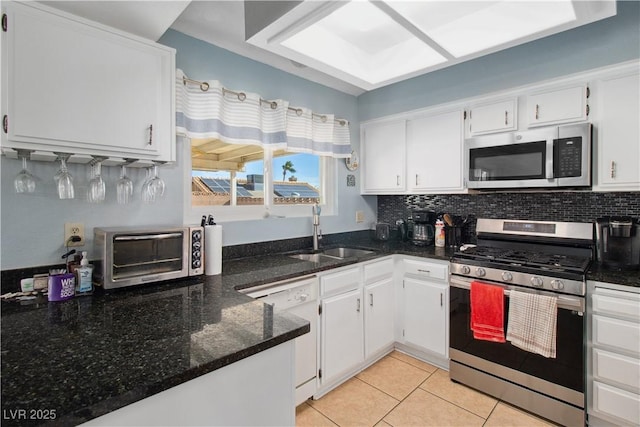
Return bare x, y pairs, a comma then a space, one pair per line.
212, 250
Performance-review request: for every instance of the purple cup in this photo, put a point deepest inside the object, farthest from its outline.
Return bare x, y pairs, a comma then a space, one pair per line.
62, 287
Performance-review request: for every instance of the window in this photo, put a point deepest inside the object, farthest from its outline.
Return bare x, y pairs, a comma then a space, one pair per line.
226, 174
299, 182
235, 175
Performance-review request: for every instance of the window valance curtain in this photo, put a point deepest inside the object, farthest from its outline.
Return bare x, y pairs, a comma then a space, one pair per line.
319, 134
218, 114
213, 112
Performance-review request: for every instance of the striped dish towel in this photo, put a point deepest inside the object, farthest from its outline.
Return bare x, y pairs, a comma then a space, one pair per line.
532, 323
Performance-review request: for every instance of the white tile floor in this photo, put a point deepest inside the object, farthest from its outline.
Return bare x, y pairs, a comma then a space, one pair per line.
399, 390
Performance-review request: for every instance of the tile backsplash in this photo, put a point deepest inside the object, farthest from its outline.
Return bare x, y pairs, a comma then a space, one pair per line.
540, 206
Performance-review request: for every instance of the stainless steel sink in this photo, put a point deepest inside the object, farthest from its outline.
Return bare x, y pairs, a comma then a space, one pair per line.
312, 257
329, 254
346, 252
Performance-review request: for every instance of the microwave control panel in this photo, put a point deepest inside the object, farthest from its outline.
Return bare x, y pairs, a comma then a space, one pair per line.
567, 157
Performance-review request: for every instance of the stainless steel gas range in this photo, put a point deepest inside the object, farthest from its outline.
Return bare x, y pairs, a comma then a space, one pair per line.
540, 257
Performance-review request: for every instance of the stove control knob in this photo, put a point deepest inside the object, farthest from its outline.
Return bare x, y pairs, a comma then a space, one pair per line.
537, 282
507, 277
557, 284
480, 272
465, 269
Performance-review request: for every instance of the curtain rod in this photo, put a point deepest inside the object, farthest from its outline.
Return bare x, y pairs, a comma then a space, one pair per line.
204, 86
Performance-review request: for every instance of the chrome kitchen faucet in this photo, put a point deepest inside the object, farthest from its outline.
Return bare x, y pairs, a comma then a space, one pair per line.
317, 233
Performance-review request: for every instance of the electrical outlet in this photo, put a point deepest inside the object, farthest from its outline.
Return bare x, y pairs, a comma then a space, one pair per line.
73, 229
359, 216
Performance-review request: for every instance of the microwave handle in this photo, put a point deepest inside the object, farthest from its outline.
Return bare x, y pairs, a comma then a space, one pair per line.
551, 150
148, 236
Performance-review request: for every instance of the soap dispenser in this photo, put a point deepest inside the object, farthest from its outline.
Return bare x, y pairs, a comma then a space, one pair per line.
84, 283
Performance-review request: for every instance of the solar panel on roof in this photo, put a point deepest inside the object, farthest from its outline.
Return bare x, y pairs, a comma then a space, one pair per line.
221, 186
243, 192
294, 191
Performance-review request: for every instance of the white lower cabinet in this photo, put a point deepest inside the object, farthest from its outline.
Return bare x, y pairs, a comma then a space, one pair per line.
617, 403
424, 315
613, 355
378, 315
424, 309
342, 334
356, 319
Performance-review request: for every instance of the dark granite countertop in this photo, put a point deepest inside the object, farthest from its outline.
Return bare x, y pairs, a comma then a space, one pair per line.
612, 275
91, 355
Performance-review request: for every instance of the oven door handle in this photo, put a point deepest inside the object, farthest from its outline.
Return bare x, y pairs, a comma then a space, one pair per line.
564, 301
126, 238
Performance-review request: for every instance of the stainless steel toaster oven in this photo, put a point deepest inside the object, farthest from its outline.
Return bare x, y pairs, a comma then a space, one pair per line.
134, 256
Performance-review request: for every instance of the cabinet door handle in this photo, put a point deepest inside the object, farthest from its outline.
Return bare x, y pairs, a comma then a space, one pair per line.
424, 271
506, 118
371, 300
358, 306
537, 111
440, 299
416, 179
398, 180
150, 134
613, 169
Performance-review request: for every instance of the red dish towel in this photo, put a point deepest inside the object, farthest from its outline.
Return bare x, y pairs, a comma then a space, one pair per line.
487, 312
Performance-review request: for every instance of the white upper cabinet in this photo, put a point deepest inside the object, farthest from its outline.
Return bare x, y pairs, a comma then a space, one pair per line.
78, 87
619, 133
558, 106
493, 117
434, 152
416, 154
383, 157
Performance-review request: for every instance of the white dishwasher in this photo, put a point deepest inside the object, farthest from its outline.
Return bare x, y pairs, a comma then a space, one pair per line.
298, 297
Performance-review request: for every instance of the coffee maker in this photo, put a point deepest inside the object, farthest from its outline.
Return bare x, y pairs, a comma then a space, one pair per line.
423, 230
618, 242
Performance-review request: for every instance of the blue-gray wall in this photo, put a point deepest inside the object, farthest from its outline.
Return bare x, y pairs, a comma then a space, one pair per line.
610, 41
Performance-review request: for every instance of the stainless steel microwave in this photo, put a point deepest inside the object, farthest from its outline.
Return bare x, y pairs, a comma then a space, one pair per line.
134, 256
557, 156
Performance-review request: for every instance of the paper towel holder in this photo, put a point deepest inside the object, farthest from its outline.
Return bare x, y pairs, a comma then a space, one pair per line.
212, 248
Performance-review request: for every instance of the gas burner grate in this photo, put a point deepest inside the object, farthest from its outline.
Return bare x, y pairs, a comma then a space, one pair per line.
543, 261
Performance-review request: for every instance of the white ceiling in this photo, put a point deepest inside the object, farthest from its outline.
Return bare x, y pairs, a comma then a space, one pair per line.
219, 22
148, 19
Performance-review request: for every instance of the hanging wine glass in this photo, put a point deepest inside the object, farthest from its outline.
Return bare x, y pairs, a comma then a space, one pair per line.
124, 187
146, 192
153, 188
65, 179
157, 184
97, 187
24, 182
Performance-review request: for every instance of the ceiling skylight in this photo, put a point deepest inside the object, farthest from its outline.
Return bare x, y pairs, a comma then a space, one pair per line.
363, 41
372, 44
466, 27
